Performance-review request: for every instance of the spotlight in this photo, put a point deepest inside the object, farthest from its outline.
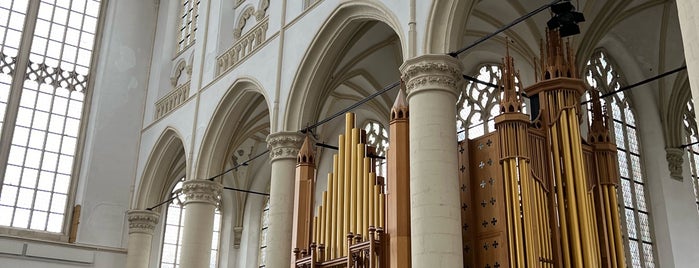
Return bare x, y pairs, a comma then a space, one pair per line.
566, 18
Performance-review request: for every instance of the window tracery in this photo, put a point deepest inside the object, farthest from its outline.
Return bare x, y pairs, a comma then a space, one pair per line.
600, 73
40, 149
188, 23
377, 137
692, 137
174, 228
264, 226
478, 104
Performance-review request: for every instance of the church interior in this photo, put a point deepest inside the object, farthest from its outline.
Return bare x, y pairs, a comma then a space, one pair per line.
348, 133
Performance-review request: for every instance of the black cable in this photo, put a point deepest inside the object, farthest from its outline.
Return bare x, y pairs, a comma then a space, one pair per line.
164, 202
513, 23
245, 191
351, 107
239, 165
645, 81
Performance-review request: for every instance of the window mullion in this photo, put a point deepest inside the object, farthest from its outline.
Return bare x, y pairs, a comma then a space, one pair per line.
18, 78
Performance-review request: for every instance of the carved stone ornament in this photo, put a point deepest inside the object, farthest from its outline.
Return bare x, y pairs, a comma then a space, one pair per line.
284, 145
142, 221
675, 158
432, 72
237, 235
202, 191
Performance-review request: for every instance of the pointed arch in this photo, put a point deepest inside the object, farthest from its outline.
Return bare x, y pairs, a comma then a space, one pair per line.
223, 126
304, 100
168, 156
446, 24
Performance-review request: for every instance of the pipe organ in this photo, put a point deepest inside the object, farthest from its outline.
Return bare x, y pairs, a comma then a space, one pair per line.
534, 193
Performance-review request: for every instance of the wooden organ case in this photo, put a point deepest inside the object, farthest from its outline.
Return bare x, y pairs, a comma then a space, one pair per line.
534, 193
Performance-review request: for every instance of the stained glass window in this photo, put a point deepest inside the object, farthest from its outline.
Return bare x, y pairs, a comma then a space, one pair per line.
377, 136
174, 228
44, 73
188, 23
264, 226
692, 137
600, 73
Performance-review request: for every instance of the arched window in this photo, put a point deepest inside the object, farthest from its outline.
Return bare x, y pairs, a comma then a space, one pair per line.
377, 136
174, 227
692, 137
601, 74
264, 226
44, 76
478, 104
188, 23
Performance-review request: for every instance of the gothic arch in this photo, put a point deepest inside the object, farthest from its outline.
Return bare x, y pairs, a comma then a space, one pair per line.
304, 100
223, 126
167, 155
248, 12
677, 103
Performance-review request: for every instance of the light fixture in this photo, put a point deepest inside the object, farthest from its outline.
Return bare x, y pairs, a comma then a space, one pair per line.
566, 18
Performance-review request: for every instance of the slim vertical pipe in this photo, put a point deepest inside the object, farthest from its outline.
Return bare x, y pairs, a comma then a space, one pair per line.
331, 217
359, 158
366, 191
349, 124
354, 134
382, 209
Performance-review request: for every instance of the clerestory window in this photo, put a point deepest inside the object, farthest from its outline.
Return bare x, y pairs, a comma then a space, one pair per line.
189, 13
602, 74
46, 54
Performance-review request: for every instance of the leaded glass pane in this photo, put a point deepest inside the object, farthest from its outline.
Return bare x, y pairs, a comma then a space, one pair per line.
377, 136
626, 191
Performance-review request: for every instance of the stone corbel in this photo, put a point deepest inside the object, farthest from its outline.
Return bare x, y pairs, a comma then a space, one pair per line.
237, 234
675, 158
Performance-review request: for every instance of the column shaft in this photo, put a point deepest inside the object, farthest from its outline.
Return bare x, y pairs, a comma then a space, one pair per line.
202, 197
141, 226
284, 147
431, 82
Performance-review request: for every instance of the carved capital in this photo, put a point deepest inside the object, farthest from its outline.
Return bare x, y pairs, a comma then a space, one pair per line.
675, 158
142, 221
284, 145
432, 72
237, 234
202, 191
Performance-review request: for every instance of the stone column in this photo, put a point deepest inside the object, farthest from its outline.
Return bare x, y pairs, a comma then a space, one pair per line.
687, 11
201, 199
283, 149
141, 226
432, 83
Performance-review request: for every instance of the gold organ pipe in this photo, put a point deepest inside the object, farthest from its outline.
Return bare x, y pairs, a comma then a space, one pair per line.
519, 231
328, 226
610, 231
349, 124
382, 209
376, 192
617, 228
574, 233
338, 205
321, 222
581, 188
366, 191
559, 191
314, 239
509, 213
527, 212
359, 158
332, 213
372, 199
353, 182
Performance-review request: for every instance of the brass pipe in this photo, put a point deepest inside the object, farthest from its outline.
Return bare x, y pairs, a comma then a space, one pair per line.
382, 209
349, 124
528, 213
321, 230
359, 158
338, 205
608, 223
574, 233
330, 231
560, 196
367, 186
581, 190
314, 239
339, 175
372, 199
509, 212
519, 230
353, 185
621, 258
328, 225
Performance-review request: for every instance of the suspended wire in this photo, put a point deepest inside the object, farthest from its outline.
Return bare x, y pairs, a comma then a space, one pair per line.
645, 81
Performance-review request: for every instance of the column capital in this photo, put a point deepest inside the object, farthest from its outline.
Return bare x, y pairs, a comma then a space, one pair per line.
432, 72
202, 191
142, 221
284, 145
675, 158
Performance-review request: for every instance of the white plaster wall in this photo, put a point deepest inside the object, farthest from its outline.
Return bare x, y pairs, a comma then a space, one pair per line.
31, 254
113, 129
